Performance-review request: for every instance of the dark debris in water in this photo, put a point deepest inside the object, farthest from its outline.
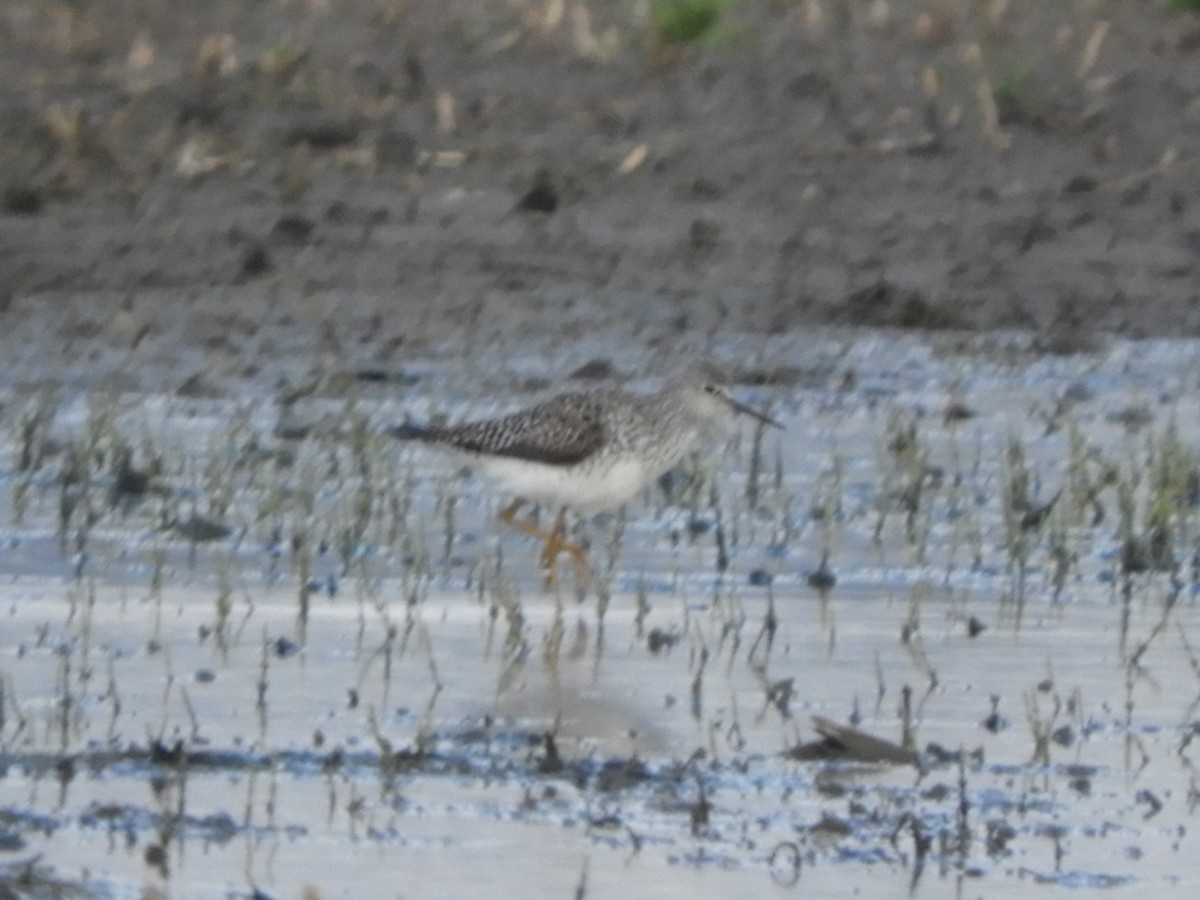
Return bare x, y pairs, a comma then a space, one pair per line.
31, 879
760, 578
822, 578
387, 376
658, 640
200, 530
476, 752
700, 798
219, 827
1085, 880
842, 742
285, 647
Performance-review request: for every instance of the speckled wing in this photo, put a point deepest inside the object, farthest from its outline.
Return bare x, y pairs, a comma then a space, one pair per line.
562, 431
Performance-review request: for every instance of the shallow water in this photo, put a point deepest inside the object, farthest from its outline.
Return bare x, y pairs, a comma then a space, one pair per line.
185, 714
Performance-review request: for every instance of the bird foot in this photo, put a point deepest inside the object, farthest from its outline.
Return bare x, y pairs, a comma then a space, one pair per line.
554, 544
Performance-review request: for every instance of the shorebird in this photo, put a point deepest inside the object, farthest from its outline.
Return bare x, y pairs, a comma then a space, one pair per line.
587, 451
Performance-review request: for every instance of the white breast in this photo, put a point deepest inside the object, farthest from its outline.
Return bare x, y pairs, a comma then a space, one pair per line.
582, 489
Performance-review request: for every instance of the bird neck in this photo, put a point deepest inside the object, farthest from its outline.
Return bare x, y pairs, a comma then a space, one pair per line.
673, 408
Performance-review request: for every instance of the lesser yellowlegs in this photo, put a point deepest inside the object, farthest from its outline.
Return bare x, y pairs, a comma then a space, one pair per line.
587, 450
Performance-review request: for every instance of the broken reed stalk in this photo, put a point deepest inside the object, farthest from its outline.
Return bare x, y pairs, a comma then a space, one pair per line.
260, 699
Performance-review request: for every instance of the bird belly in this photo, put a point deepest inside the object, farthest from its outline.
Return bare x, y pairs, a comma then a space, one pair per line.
585, 488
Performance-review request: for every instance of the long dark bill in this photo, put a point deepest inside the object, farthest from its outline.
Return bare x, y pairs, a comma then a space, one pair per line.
753, 413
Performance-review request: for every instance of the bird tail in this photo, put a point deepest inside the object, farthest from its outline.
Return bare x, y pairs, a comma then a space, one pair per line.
407, 431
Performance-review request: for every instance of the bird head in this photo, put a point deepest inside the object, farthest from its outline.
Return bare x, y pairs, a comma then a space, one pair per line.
708, 395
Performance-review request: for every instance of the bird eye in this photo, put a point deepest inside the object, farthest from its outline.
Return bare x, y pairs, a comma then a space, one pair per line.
711, 389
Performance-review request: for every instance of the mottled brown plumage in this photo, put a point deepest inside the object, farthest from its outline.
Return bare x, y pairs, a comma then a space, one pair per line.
562, 431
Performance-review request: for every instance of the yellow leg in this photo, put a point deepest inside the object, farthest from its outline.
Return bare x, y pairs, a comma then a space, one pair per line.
554, 543
508, 516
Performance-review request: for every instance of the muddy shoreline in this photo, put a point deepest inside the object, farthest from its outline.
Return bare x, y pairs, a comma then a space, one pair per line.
377, 177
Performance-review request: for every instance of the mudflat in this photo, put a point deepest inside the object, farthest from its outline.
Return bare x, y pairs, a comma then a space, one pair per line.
385, 176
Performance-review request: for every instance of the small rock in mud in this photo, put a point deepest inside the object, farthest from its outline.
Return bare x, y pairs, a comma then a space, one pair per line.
1081, 184
594, 369
322, 133
542, 197
22, 201
292, 229
255, 261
